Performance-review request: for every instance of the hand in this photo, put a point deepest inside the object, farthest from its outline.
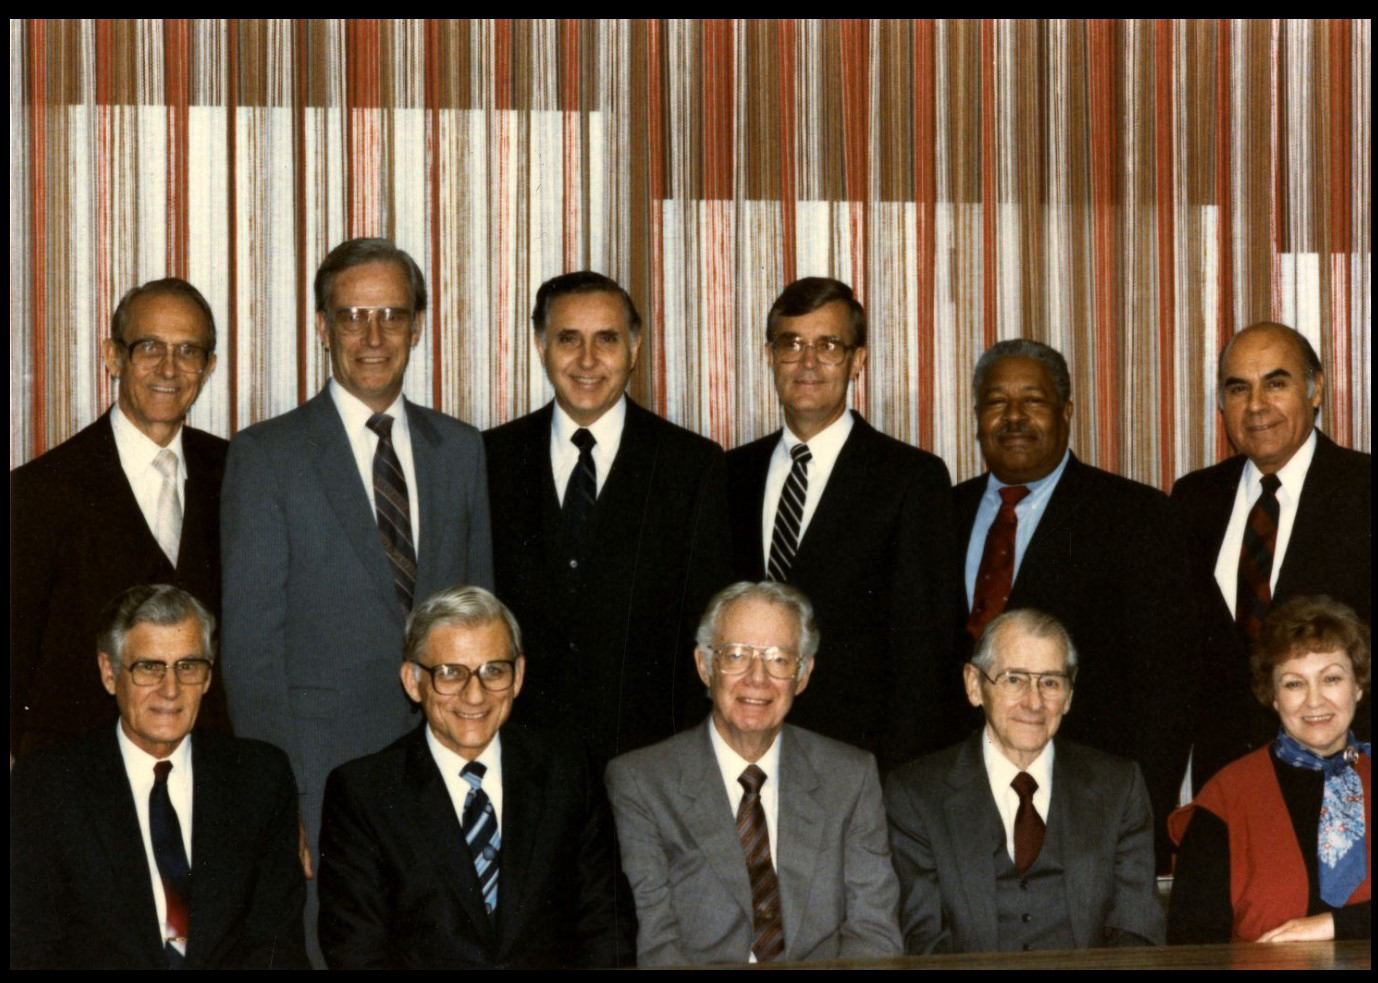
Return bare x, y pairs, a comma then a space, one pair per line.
1317, 928
306, 852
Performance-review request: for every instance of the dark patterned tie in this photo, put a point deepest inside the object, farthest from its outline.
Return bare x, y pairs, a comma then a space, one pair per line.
170, 854
581, 494
394, 510
784, 539
1253, 591
1028, 824
995, 578
482, 835
769, 928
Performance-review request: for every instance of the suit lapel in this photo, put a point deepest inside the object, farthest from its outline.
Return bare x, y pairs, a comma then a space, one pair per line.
1075, 805
625, 495
1312, 525
523, 800
1215, 520
837, 508
343, 488
537, 489
977, 836
751, 498
425, 451
210, 799
799, 829
109, 489
708, 815
1044, 559
200, 492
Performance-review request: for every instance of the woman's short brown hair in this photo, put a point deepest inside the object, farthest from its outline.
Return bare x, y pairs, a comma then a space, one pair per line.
1308, 624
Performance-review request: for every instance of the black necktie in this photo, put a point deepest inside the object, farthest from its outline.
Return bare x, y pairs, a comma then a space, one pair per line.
789, 515
1253, 591
581, 494
170, 854
394, 510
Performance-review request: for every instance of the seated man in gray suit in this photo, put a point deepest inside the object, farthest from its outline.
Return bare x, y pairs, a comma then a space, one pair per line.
1010, 841
804, 871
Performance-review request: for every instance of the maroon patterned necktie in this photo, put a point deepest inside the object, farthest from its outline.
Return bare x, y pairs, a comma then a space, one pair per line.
1253, 591
768, 940
1028, 824
995, 578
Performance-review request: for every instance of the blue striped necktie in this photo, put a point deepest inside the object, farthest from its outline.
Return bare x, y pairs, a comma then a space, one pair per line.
482, 835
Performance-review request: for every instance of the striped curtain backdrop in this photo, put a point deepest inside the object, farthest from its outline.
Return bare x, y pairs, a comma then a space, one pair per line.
1130, 191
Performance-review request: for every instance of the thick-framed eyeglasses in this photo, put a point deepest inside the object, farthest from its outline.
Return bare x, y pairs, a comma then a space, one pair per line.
733, 660
352, 321
1016, 682
828, 350
448, 678
147, 353
189, 672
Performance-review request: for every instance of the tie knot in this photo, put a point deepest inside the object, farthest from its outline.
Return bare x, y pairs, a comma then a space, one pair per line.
1024, 786
166, 462
752, 779
1012, 495
160, 771
583, 439
1271, 483
381, 424
801, 453
473, 773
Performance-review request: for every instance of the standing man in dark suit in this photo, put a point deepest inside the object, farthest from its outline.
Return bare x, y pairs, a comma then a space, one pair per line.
132, 499
1102, 554
336, 515
470, 843
1012, 840
609, 531
140, 846
858, 521
1289, 515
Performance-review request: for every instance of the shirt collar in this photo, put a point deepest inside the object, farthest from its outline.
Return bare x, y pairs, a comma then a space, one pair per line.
139, 763
1292, 474
136, 449
732, 764
356, 413
1002, 770
827, 443
450, 763
1048, 481
606, 430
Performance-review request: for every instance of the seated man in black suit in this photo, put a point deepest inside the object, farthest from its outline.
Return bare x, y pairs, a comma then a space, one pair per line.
462, 847
140, 846
132, 499
1010, 840
858, 521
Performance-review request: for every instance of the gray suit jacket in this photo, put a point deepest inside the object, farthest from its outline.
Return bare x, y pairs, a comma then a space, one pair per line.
948, 839
312, 636
838, 892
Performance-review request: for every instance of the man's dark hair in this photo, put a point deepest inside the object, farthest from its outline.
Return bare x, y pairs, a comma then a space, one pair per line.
1310, 361
808, 295
167, 287
1046, 355
357, 252
580, 282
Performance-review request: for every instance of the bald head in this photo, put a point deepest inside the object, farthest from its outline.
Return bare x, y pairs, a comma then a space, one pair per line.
1269, 390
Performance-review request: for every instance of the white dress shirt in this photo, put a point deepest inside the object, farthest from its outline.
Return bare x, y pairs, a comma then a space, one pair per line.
1293, 476
354, 413
824, 447
1028, 513
1000, 770
451, 764
137, 451
138, 765
564, 454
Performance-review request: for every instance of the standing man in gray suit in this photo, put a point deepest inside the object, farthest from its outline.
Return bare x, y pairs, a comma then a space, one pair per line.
334, 517
804, 871
1010, 841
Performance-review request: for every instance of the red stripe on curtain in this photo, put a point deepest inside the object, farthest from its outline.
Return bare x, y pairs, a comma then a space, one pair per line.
925, 204
177, 97
988, 202
656, 191
1164, 161
231, 355
1224, 200
856, 133
784, 74
432, 70
1105, 113
1340, 178
38, 111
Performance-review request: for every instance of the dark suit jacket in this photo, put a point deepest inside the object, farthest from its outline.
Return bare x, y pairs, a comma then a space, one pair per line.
80, 890
1108, 560
78, 539
1330, 552
609, 648
397, 883
949, 845
877, 563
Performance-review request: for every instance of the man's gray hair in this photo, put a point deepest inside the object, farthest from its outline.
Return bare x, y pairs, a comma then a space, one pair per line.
469, 607
151, 604
1050, 358
772, 592
359, 252
1026, 621
1310, 361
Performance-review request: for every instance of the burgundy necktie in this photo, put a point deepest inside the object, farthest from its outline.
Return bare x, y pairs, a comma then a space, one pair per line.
1028, 825
1253, 591
768, 940
995, 578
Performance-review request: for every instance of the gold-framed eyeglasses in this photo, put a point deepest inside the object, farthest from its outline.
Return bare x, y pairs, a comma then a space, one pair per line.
1016, 682
352, 321
450, 678
828, 350
734, 660
147, 353
189, 672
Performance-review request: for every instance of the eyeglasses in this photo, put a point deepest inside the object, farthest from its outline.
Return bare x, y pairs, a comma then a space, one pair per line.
190, 672
147, 353
352, 321
734, 660
829, 350
448, 679
1016, 683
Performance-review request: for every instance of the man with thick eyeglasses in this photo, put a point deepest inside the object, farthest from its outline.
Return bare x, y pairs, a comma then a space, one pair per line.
858, 521
336, 516
746, 839
143, 845
471, 843
134, 498
1012, 840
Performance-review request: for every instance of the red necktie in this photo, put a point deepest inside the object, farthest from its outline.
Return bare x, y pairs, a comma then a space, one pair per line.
1028, 825
1253, 591
995, 579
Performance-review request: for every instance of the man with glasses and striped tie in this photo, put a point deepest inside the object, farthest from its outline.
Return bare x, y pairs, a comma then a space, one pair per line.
471, 842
